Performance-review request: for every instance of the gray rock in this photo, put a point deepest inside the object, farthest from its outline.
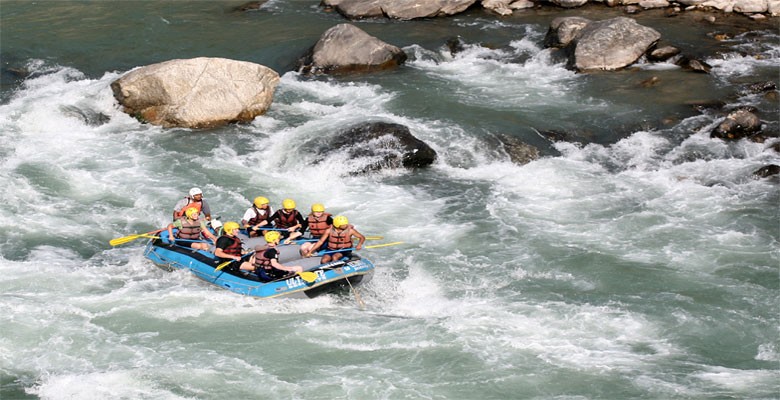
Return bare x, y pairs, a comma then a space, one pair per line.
519, 152
611, 44
196, 93
346, 48
568, 3
663, 53
563, 30
399, 9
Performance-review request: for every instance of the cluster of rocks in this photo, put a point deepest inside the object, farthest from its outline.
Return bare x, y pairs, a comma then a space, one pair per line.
209, 92
413, 9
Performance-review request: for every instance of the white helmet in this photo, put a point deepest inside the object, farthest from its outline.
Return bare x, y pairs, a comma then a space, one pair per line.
195, 191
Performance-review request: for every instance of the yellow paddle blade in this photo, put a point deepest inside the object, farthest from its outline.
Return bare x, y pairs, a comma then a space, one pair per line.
223, 265
374, 237
308, 276
126, 239
373, 246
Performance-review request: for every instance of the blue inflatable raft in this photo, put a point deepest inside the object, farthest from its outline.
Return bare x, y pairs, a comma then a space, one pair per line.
330, 277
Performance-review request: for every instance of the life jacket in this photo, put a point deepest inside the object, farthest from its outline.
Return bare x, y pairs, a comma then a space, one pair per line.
340, 239
264, 268
258, 218
190, 204
318, 227
235, 248
287, 220
189, 229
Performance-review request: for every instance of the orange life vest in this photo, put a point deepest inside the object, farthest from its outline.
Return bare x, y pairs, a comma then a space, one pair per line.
318, 226
340, 239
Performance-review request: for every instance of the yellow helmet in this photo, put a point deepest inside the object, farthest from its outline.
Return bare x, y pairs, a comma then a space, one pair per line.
288, 204
340, 221
259, 201
192, 213
272, 236
317, 208
229, 227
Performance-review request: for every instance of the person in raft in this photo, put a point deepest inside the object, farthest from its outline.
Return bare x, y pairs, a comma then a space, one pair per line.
318, 223
190, 228
257, 216
195, 199
289, 219
265, 262
339, 238
229, 247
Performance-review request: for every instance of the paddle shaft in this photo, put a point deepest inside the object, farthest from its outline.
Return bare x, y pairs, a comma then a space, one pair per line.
353, 248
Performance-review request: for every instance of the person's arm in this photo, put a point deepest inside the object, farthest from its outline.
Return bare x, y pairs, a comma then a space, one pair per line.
319, 243
178, 209
299, 225
205, 231
361, 239
219, 252
277, 265
206, 209
248, 214
170, 233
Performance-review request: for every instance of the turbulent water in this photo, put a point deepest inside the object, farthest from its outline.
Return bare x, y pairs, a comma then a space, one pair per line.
638, 258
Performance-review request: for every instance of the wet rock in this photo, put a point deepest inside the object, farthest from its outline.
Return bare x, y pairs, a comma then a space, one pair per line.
89, 117
737, 125
662, 53
392, 145
766, 171
694, 65
519, 152
650, 82
506, 7
568, 3
456, 45
760, 87
250, 6
196, 93
346, 48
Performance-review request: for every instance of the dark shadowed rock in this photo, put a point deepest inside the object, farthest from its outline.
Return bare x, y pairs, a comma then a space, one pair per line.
563, 30
766, 171
393, 146
346, 48
694, 65
456, 45
89, 117
519, 152
760, 87
737, 125
250, 6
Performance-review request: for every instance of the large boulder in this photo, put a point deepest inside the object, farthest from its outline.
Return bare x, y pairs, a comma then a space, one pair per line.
382, 145
197, 93
347, 48
399, 9
612, 44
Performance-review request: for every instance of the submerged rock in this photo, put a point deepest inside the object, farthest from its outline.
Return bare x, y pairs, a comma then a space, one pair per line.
766, 171
519, 152
386, 145
346, 48
196, 93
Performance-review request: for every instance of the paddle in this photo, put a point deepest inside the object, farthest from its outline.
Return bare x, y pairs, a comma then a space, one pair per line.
130, 238
352, 248
180, 240
308, 276
226, 263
